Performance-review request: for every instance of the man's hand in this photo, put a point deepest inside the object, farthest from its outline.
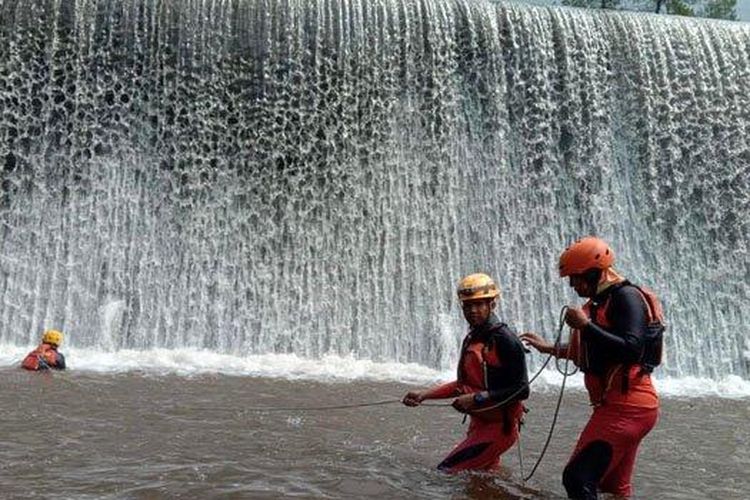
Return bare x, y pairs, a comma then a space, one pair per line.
464, 403
413, 398
576, 318
536, 341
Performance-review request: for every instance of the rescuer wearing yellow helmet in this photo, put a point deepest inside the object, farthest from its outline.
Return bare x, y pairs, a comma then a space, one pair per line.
46, 355
491, 381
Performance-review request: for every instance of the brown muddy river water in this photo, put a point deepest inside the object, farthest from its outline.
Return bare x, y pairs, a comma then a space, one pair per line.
141, 436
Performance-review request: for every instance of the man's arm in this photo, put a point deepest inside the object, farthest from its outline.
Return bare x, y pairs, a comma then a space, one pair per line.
511, 379
628, 316
60, 362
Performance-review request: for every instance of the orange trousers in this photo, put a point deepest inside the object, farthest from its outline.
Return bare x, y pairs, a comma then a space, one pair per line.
485, 442
604, 457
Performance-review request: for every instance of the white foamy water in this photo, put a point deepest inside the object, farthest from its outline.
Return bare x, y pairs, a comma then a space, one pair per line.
195, 362
332, 368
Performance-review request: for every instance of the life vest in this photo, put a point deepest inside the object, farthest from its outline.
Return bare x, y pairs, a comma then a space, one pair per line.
475, 372
652, 354
623, 376
653, 336
41, 358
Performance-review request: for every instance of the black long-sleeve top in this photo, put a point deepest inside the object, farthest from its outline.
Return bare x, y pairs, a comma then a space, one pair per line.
510, 379
622, 341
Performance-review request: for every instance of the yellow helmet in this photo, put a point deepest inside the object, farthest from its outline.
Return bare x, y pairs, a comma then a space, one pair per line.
52, 337
477, 286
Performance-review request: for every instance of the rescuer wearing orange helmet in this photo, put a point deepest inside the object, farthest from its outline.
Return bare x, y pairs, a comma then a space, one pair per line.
616, 342
491, 382
46, 356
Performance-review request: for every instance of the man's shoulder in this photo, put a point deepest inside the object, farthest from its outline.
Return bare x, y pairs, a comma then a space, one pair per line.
626, 299
626, 291
504, 336
500, 328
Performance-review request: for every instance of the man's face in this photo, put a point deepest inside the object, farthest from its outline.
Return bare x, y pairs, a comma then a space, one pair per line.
477, 312
582, 284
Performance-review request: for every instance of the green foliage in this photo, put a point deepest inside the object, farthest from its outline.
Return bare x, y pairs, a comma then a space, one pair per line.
721, 9
716, 9
680, 7
581, 3
593, 4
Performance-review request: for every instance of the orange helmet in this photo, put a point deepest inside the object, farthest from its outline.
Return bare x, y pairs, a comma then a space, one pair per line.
587, 253
477, 286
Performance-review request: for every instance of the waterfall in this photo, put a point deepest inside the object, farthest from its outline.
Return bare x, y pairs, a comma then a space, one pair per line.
314, 177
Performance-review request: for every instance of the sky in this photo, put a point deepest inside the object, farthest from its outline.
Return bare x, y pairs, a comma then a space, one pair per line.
743, 7
743, 10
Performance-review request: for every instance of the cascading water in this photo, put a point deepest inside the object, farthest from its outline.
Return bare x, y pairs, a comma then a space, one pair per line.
314, 177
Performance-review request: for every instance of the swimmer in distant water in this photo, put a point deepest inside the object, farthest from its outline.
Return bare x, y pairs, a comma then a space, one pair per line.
46, 356
491, 384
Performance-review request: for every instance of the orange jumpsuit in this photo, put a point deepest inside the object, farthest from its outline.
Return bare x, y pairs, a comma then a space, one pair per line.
626, 405
492, 359
43, 357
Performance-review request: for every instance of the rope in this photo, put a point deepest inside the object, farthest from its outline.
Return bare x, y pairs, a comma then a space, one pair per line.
536, 375
331, 407
552, 426
392, 401
322, 408
334, 407
565, 373
519, 391
520, 450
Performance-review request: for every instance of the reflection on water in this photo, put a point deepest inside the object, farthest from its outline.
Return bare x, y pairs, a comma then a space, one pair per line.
133, 435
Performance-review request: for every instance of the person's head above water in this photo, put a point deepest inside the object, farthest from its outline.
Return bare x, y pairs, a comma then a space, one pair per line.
587, 263
478, 294
52, 337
